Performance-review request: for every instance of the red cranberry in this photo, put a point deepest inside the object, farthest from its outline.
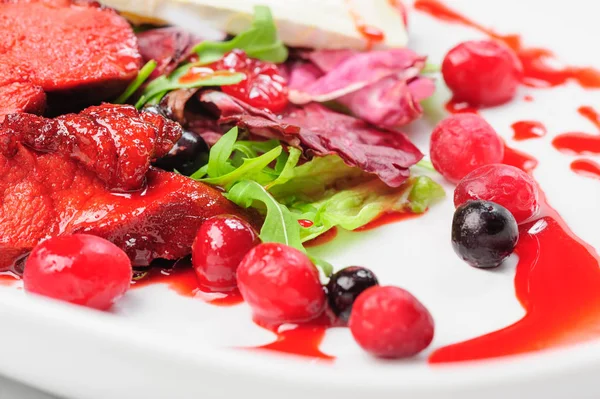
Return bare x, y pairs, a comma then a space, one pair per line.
220, 245
81, 269
389, 322
280, 284
505, 185
264, 86
482, 72
462, 143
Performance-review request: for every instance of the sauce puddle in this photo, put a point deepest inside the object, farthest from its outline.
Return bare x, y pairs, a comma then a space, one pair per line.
299, 339
323, 239
9, 278
460, 107
557, 282
525, 130
183, 281
539, 65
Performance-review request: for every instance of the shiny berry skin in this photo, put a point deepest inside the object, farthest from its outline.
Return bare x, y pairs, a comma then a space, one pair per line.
389, 322
220, 245
81, 269
345, 286
158, 110
264, 86
189, 154
280, 284
503, 184
482, 73
462, 143
484, 233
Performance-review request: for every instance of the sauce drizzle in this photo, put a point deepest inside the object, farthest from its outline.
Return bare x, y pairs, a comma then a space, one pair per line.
525, 130
577, 142
299, 339
586, 167
539, 64
182, 279
371, 34
558, 284
460, 107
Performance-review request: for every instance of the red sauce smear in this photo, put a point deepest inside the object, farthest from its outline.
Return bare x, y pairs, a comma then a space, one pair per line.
371, 34
577, 142
460, 107
388, 218
586, 167
519, 159
324, 238
538, 63
305, 223
8, 278
299, 339
525, 130
528, 98
183, 281
558, 284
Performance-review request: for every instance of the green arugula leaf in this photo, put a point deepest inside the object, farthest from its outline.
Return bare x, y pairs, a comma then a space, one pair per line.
142, 76
356, 206
323, 190
260, 41
280, 225
157, 89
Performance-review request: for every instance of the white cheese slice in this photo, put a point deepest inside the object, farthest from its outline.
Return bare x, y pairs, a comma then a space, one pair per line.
301, 23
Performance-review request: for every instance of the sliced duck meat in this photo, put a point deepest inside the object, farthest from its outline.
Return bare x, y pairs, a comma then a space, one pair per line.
115, 142
48, 191
75, 51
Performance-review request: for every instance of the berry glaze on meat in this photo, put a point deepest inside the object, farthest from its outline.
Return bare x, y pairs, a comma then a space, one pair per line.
90, 173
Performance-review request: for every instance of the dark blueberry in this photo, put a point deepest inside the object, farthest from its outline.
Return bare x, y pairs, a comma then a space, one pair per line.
187, 156
159, 110
345, 286
484, 233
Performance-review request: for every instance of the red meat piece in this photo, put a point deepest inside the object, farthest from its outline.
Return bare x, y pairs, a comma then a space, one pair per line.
74, 50
51, 192
116, 142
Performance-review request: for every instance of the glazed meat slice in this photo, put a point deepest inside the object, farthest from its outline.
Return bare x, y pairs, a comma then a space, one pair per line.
75, 51
48, 191
115, 142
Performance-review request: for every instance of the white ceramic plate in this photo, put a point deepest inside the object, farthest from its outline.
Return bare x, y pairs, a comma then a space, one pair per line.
156, 344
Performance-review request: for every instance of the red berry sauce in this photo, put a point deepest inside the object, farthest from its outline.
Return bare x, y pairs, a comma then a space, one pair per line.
388, 218
299, 339
557, 273
525, 130
578, 142
81, 269
586, 167
264, 86
463, 142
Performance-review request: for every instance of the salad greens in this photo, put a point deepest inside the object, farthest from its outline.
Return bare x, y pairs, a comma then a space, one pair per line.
268, 177
157, 89
142, 76
260, 41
